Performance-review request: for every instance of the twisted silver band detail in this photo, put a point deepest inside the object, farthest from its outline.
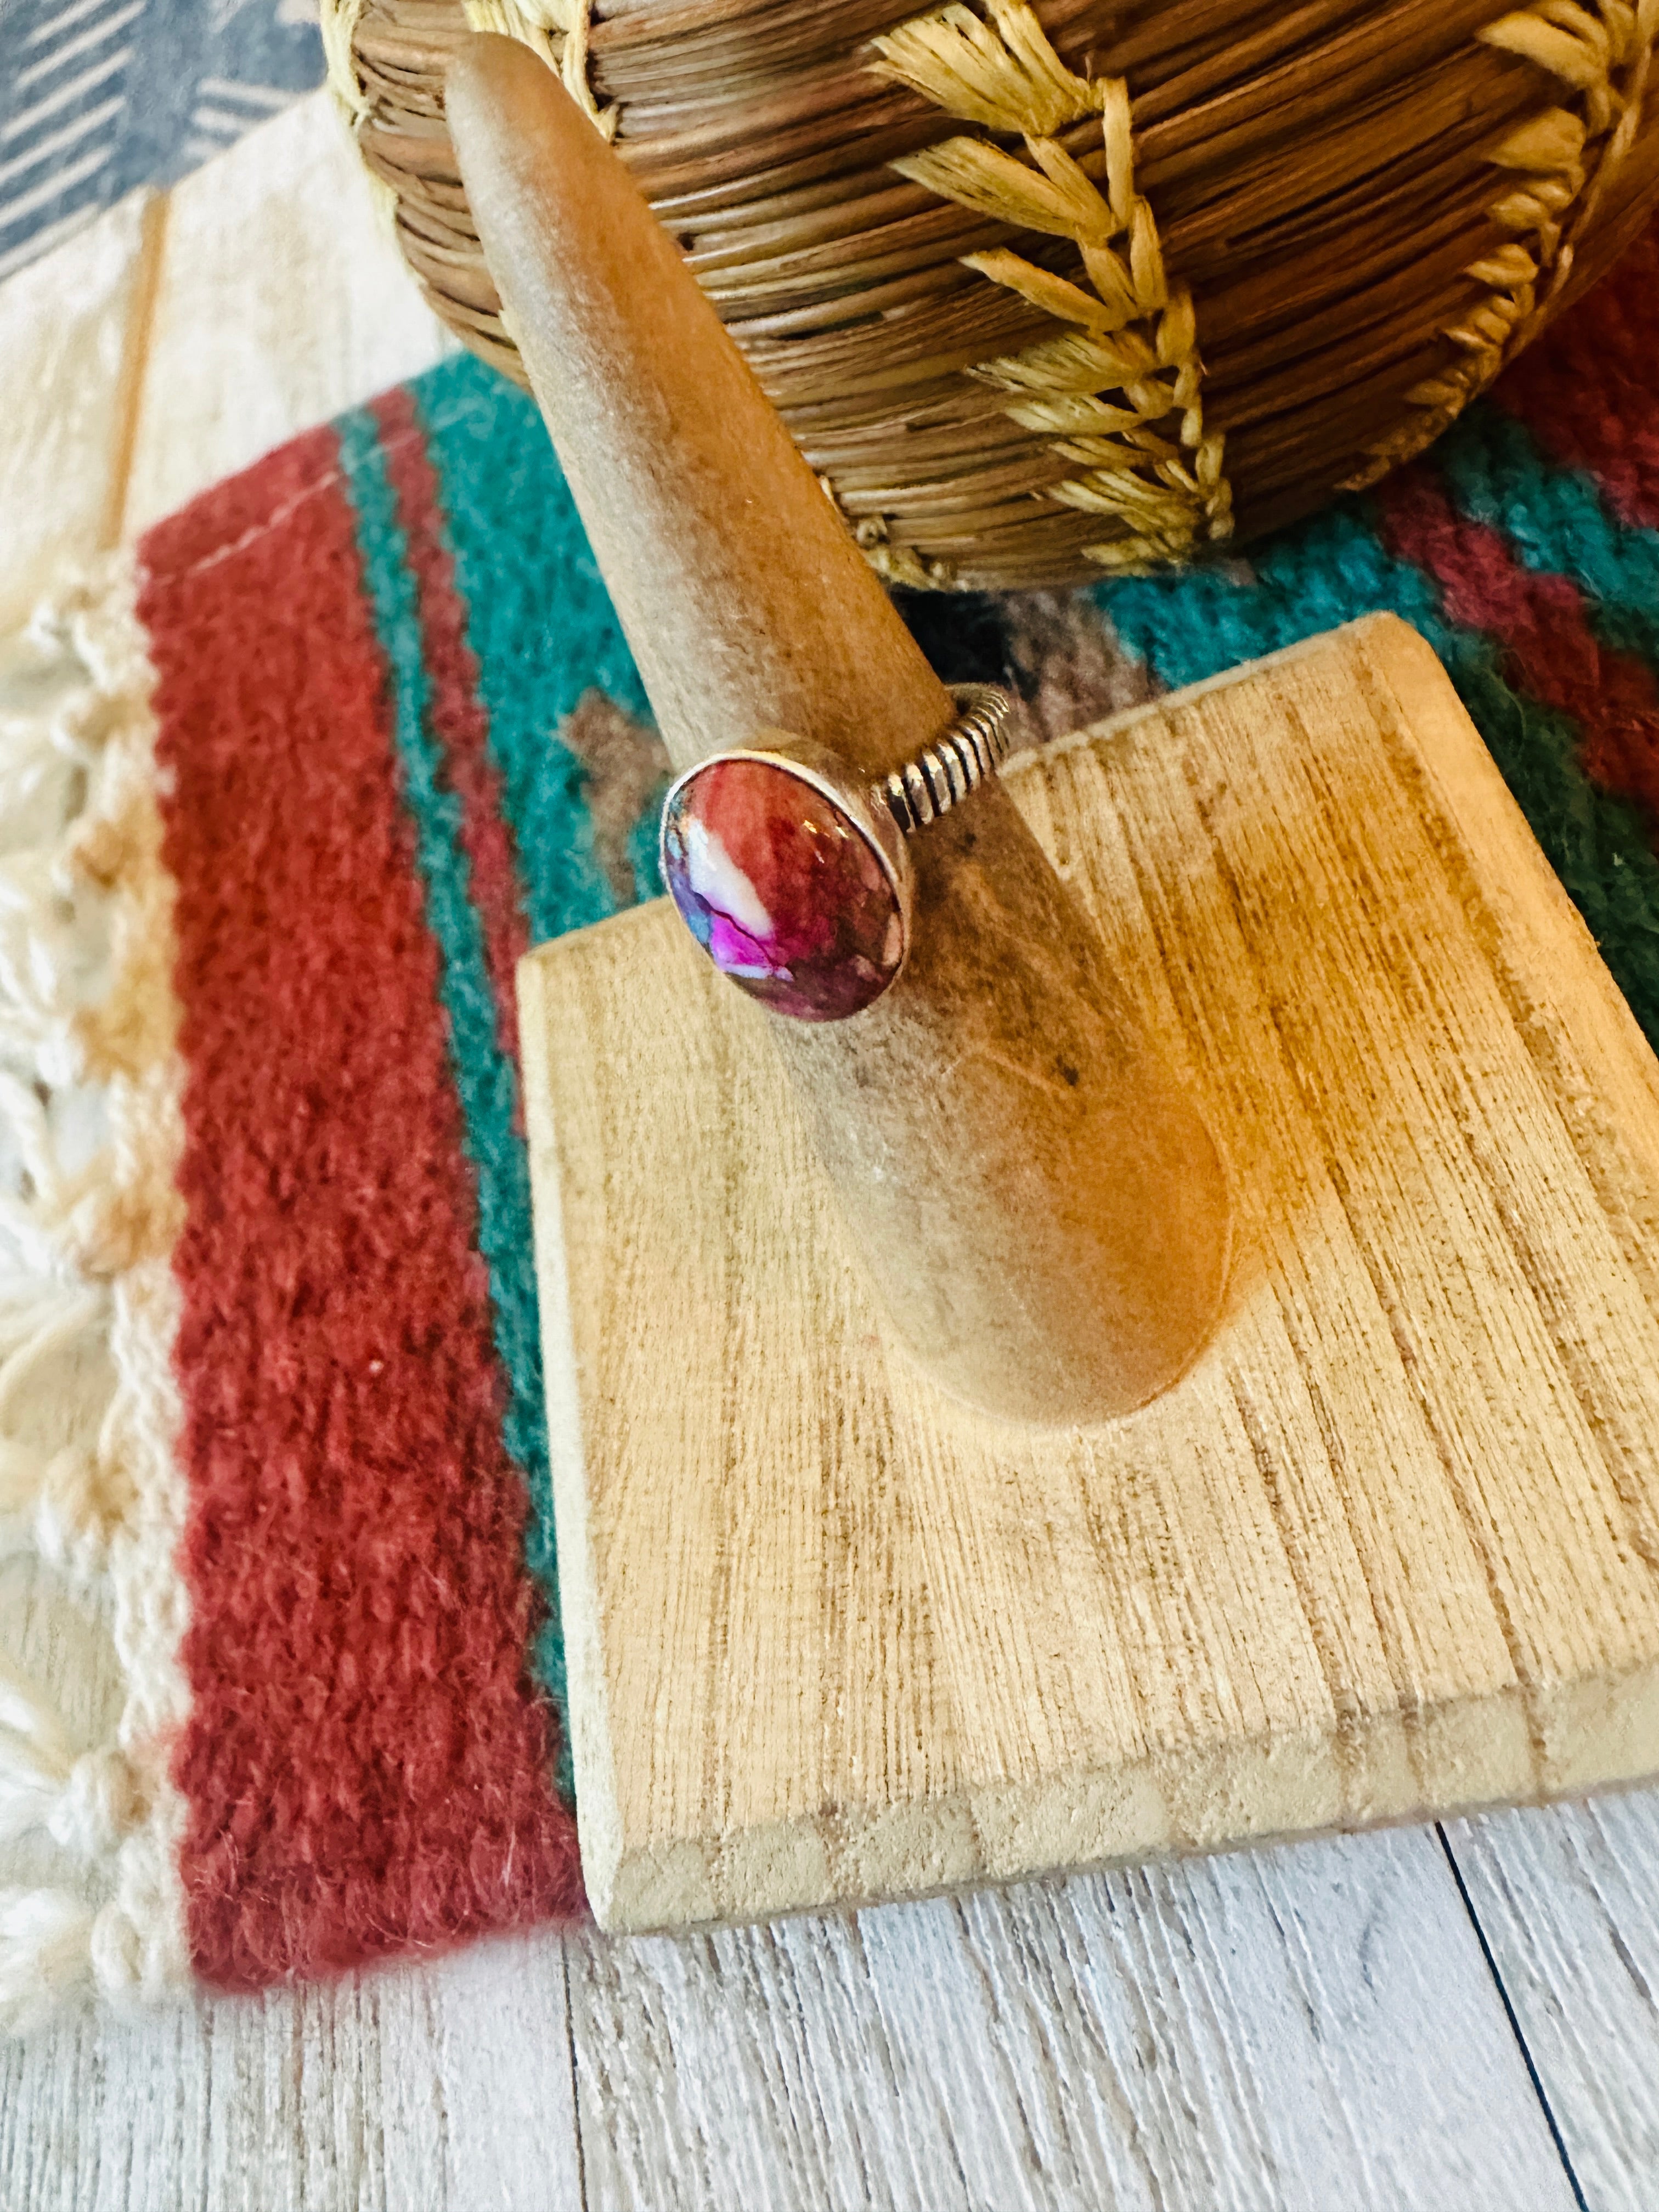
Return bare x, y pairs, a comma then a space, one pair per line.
956, 763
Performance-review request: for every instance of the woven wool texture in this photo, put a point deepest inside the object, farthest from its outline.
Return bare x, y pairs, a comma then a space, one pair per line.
362, 1750
397, 738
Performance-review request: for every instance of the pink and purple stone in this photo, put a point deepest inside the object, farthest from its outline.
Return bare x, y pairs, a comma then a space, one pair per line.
782, 890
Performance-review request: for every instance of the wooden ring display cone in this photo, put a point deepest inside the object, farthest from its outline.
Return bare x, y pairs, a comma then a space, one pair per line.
1040, 1208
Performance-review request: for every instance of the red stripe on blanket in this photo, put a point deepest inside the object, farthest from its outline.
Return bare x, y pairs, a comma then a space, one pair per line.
1585, 390
1540, 622
456, 719
365, 1765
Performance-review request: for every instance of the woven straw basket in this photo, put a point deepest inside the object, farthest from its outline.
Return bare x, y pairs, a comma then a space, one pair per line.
1094, 285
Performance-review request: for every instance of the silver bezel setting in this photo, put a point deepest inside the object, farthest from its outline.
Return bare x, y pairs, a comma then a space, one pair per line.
886, 814
828, 774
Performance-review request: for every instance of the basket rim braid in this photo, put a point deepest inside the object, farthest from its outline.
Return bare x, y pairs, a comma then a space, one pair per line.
1048, 291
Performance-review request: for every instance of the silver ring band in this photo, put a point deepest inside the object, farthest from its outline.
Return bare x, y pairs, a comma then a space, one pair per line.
957, 761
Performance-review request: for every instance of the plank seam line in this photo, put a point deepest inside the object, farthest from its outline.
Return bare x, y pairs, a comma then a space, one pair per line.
576, 2078
1533, 2074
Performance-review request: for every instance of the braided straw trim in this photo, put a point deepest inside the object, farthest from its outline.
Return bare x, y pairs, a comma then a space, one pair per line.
558, 30
88, 1307
338, 21
894, 564
1104, 391
1563, 159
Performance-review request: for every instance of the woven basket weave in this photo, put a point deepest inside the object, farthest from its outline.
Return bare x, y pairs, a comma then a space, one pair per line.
1043, 293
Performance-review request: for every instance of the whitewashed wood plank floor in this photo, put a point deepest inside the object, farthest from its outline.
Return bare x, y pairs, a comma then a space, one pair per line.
1567, 1900
1312, 2028
1403, 2020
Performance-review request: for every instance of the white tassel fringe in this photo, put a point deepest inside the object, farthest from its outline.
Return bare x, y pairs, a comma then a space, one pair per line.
88, 1137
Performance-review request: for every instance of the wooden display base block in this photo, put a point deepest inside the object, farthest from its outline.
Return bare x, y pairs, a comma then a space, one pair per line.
1391, 1549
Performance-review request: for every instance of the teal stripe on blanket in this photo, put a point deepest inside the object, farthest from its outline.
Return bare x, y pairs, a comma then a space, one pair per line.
540, 623
485, 1079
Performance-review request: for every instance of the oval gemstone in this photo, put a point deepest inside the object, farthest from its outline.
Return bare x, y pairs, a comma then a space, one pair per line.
782, 890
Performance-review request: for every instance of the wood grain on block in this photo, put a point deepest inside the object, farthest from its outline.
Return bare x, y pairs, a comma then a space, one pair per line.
71, 344
1388, 1548
957, 1116
282, 300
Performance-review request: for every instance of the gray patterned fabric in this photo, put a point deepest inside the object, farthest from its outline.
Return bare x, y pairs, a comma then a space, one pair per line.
97, 96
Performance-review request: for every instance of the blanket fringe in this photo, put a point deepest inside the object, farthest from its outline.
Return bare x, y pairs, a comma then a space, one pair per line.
89, 1211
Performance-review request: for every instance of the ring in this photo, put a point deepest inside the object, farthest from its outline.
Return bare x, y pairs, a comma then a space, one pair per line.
793, 873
